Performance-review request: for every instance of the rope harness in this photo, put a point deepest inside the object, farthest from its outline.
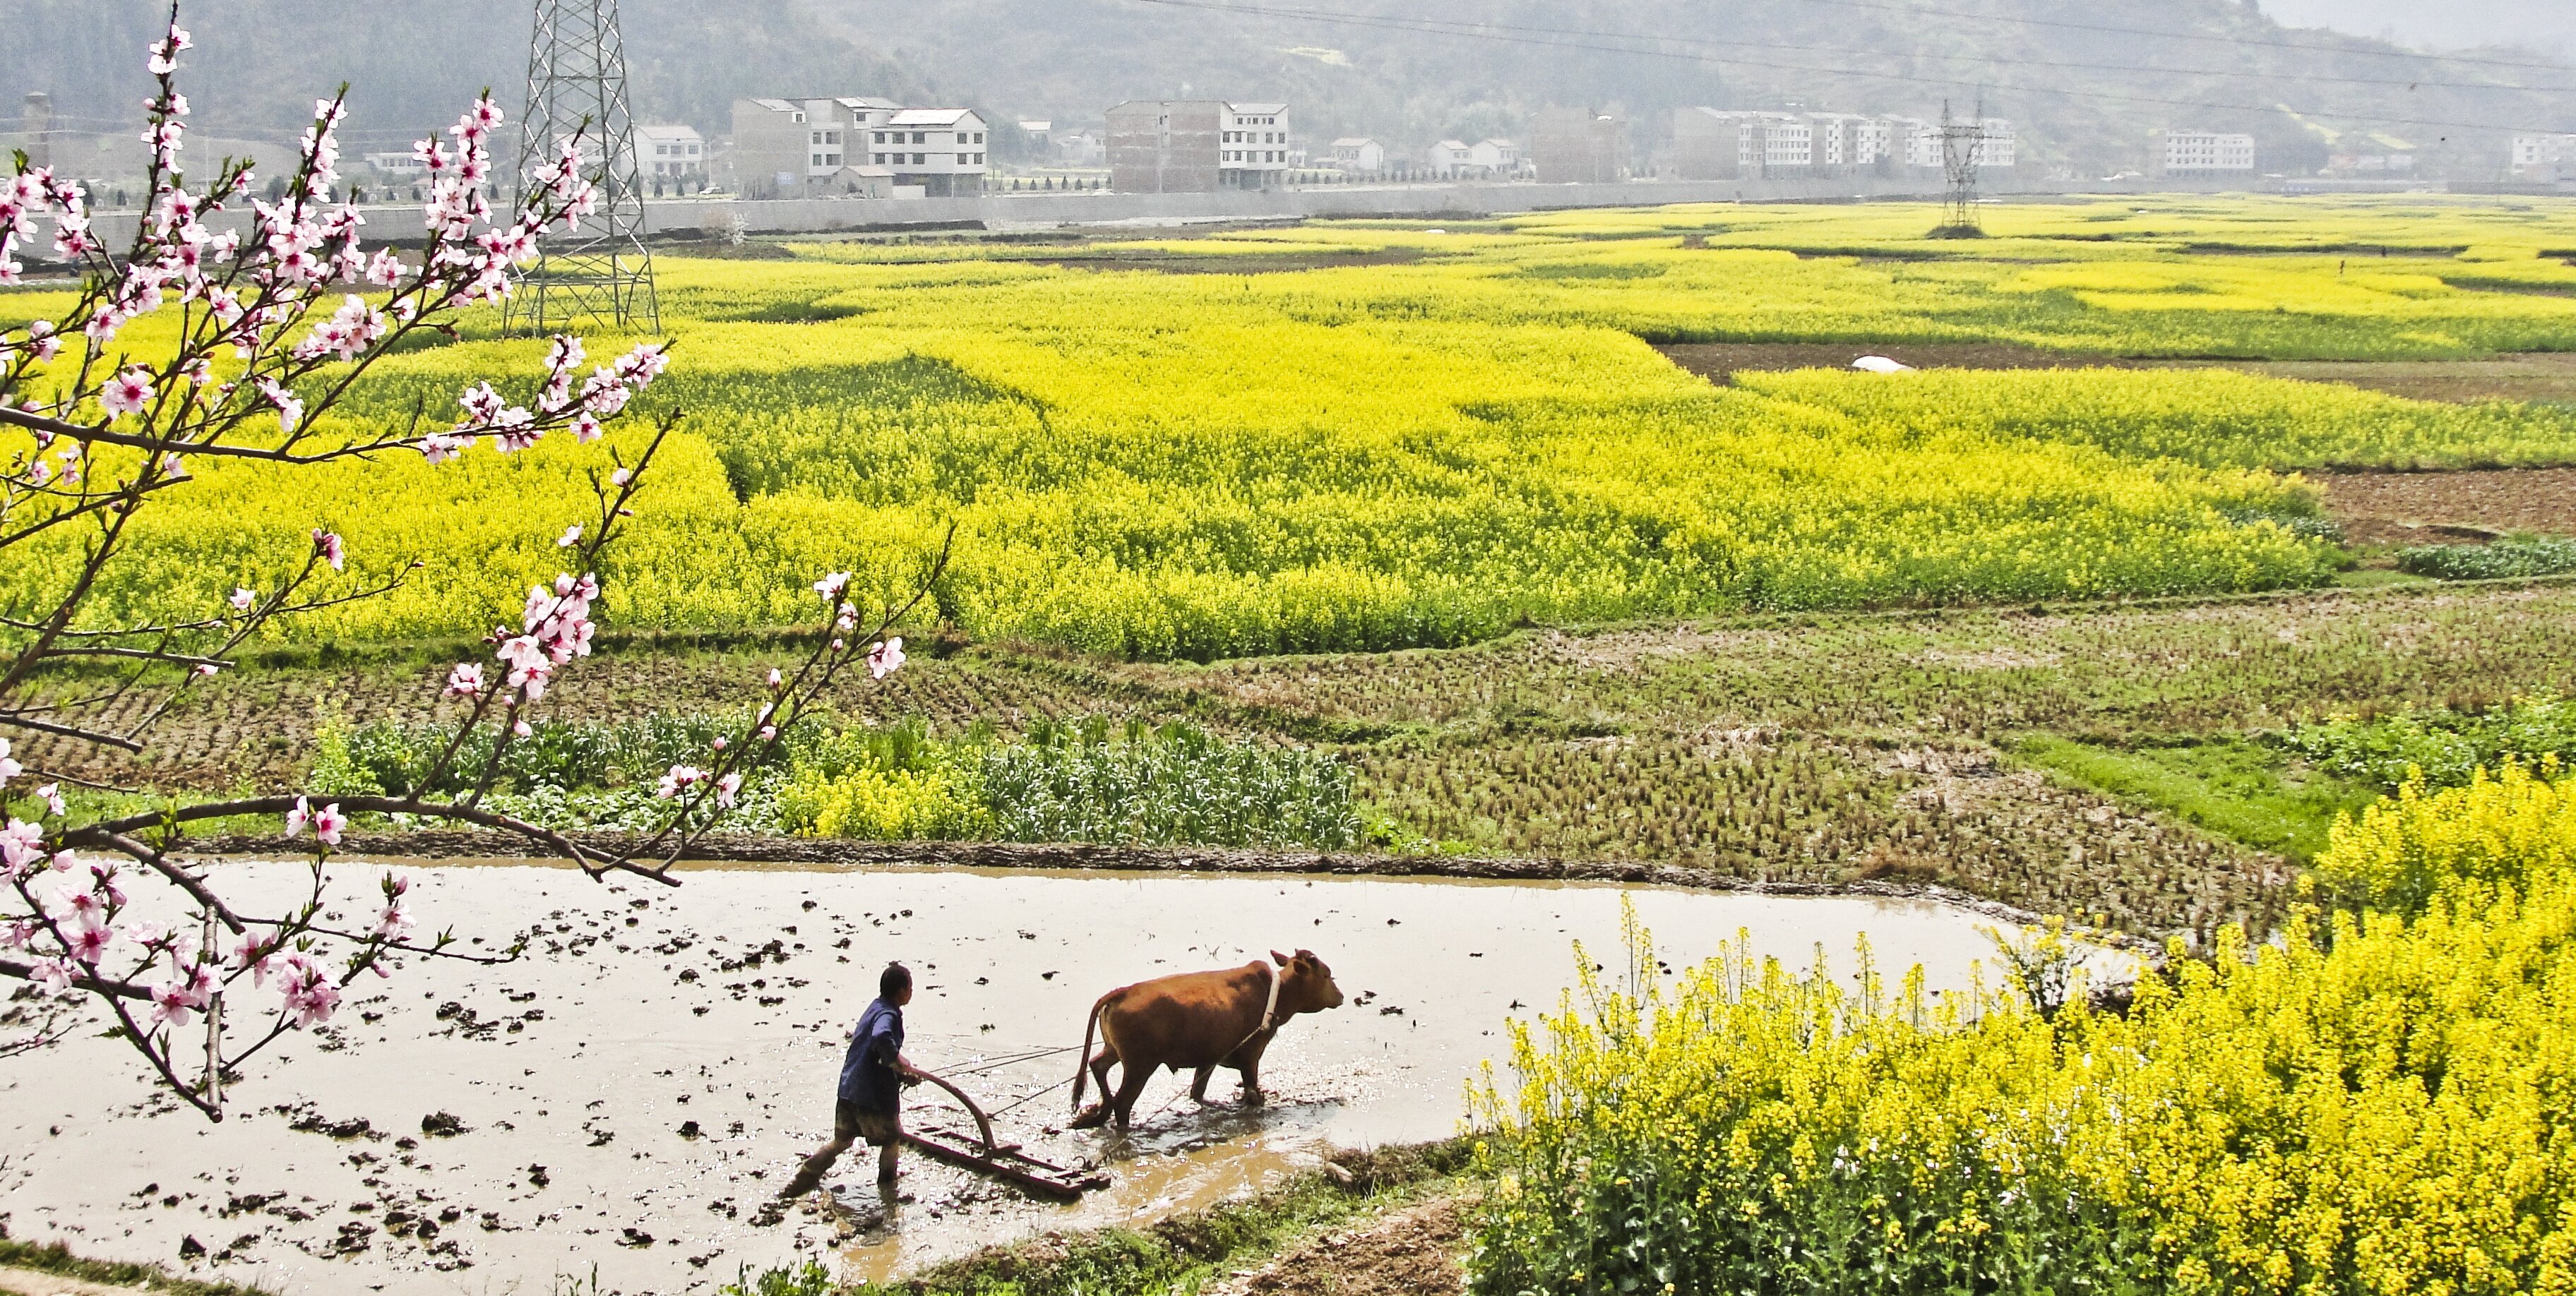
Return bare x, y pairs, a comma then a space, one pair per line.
1269, 1011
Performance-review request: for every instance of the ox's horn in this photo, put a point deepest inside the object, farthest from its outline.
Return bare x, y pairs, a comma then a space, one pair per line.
1278, 958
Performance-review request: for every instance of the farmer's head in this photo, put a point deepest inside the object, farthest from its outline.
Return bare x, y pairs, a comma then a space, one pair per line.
894, 985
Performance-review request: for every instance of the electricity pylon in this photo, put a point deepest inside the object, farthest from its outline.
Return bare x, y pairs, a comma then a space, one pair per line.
1963, 150
599, 269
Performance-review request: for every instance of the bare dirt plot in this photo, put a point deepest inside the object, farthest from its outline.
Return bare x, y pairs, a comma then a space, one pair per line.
2450, 507
2539, 376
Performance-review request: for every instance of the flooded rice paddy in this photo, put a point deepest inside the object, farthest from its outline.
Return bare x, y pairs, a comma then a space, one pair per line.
628, 1098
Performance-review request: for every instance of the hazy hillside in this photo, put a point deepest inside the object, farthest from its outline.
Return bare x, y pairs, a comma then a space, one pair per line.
411, 66
2087, 96
1068, 58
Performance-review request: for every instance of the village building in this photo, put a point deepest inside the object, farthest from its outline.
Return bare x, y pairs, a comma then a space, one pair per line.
2542, 159
670, 152
1359, 155
942, 150
1578, 146
1198, 146
1496, 158
1255, 152
2207, 153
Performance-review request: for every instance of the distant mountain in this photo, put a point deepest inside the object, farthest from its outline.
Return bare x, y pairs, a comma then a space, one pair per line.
2083, 88
412, 66
2086, 88
2545, 25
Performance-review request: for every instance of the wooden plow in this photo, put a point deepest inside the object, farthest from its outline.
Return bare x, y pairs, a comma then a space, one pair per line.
980, 1152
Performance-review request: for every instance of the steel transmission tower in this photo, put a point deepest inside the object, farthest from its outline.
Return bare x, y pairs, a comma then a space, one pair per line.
1963, 150
599, 269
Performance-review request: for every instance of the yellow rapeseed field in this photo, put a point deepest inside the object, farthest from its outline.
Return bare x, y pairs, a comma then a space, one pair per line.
1430, 450
2377, 1104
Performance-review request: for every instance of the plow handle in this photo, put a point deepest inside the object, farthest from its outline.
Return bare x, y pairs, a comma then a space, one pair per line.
983, 1124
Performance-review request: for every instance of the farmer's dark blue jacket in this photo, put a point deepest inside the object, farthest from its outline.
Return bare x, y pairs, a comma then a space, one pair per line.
870, 1080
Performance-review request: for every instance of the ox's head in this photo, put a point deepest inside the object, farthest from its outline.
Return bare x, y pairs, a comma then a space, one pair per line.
1305, 984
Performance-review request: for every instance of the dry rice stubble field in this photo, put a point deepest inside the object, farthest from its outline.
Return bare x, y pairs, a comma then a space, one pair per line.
1820, 748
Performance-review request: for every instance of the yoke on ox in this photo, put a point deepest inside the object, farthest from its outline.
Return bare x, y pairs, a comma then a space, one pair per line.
1196, 1021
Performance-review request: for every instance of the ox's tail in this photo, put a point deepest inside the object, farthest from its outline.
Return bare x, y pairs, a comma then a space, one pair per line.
1082, 1060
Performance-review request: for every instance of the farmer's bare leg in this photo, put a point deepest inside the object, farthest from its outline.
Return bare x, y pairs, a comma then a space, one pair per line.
810, 1176
886, 1157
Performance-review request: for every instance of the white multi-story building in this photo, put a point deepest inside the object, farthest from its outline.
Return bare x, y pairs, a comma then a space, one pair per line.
2543, 157
940, 149
1788, 144
784, 148
1998, 146
1495, 157
1718, 144
2192, 152
1918, 143
1873, 141
1359, 155
1252, 145
670, 152
1447, 156
837, 128
1840, 140
1915, 142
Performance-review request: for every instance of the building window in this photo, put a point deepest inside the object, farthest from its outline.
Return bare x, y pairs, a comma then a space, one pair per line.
921, 159
921, 137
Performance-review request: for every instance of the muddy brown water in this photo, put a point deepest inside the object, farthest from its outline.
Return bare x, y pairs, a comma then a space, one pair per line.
667, 1080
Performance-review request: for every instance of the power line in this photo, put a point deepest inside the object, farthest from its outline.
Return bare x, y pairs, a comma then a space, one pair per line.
1425, 28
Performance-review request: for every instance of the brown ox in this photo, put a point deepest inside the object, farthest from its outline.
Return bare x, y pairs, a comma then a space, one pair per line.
1196, 1021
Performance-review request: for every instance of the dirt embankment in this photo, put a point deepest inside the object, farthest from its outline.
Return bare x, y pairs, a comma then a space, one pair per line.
1416, 1251
736, 849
